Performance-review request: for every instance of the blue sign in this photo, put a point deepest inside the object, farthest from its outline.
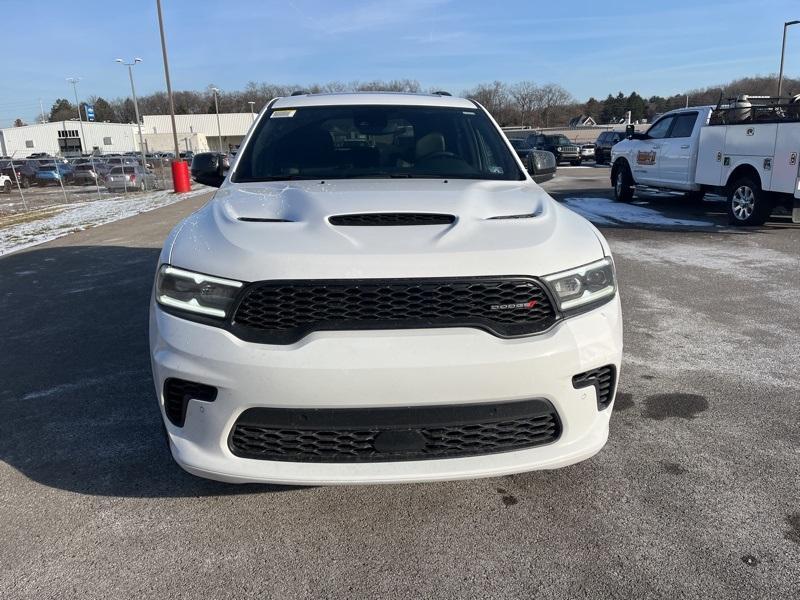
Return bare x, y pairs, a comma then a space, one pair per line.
89, 112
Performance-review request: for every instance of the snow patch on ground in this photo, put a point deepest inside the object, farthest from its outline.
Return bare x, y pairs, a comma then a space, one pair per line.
83, 215
602, 211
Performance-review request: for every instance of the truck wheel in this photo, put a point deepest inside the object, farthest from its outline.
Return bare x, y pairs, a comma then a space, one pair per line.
748, 205
576, 163
25, 183
696, 196
7, 187
623, 184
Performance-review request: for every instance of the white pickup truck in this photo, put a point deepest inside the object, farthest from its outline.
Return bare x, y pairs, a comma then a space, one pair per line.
745, 148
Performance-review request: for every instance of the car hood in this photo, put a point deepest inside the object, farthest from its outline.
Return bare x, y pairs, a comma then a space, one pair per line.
287, 235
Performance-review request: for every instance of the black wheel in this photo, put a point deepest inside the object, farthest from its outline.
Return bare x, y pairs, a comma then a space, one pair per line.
7, 187
695, 196
576, 163
748, 205
623, 183
25, 182
599, 161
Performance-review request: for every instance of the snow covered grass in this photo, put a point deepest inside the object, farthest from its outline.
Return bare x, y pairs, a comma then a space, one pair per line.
602, 211
29, 229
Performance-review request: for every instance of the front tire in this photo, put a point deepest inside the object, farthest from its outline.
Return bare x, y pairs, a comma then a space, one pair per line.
623, 184
7, 187
748, 205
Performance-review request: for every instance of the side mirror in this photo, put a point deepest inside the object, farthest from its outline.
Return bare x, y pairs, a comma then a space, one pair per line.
209, 168
630, 130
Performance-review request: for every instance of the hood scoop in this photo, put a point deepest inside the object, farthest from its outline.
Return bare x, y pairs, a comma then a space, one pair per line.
393, 219
263, 220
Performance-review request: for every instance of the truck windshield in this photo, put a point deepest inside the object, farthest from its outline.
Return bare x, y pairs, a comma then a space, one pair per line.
347, 142
560, 140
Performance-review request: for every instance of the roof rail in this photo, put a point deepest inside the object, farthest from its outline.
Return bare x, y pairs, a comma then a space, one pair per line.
442, 93
299, 93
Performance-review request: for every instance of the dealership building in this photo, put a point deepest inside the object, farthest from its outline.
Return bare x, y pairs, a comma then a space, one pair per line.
65, 138
197, 133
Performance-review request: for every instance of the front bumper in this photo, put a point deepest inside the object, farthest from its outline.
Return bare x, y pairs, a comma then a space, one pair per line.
400, 368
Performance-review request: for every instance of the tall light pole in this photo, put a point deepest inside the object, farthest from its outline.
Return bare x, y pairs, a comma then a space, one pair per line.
180, 170
783, 52
130, 66
216, 106
252, 110
74, 81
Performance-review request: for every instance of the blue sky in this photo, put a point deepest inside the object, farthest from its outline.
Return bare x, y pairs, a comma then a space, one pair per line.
591, 48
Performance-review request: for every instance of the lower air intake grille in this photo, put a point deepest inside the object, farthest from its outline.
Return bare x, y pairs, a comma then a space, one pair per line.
283, 312
393, 434
178, 392
602, 379
391, 219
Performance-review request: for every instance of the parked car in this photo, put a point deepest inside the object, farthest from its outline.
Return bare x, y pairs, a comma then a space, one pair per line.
602, 147
6, 184
92, 173
560, 145
23, 171
187, 156
540, 164
131, 178
54, 172
587, 152
411, 308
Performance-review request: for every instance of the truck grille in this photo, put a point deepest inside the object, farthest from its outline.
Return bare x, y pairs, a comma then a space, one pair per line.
283, 312
393, 434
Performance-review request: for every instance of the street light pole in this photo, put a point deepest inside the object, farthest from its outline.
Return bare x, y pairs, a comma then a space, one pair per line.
135, 106
166, 76
783, 52
180, 170
252, 111
74, 81
216, 106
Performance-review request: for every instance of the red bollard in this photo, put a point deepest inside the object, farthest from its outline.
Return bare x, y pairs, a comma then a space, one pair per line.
180, 176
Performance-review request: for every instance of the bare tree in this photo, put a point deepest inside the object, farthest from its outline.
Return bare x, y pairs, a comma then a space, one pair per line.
549, 97
494, 97
524, 95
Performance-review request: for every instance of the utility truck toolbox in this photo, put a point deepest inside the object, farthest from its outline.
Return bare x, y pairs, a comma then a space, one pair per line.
378, 292
744, 148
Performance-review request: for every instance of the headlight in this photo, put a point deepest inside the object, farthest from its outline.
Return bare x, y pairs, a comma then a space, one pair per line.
195, 292
585, 285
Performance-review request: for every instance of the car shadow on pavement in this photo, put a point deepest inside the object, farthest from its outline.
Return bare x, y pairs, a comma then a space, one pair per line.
77, 405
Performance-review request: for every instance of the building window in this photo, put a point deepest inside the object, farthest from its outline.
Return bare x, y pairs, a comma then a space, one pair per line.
29, 143
107, 141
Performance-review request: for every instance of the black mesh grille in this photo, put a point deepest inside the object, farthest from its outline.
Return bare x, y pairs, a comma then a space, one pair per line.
603, 379
374, 435
178, 392
284, 312
391, 219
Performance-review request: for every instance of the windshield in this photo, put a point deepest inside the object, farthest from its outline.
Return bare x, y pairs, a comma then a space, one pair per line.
344, 142
560, 140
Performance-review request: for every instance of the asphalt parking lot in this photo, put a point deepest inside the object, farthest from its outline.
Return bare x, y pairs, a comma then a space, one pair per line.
694, 496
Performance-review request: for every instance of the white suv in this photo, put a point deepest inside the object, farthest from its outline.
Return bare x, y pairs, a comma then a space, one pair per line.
378, 292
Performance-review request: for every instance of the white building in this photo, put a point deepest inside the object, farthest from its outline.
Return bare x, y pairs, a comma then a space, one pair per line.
64, 138
195, 132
